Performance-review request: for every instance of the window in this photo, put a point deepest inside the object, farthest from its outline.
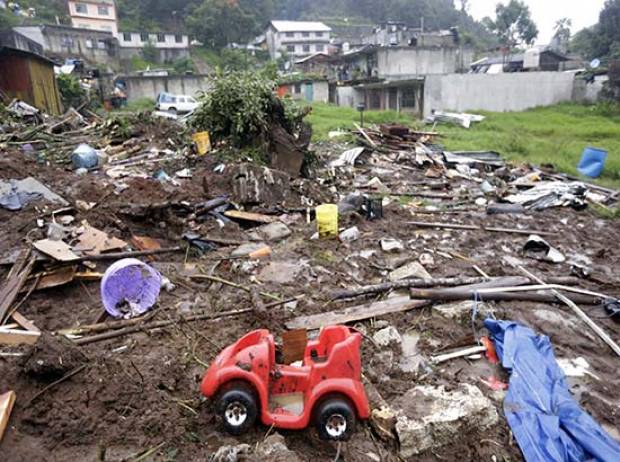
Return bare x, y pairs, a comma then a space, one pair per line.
297, 88
290, 48
81, 8
103, 10
89, 43
181, 99
306, 48
408, 98
101, 44
144, 37
305, 34
127, 36
290, 34
190, 99
178, 38
161, 38
319, 34
320, 47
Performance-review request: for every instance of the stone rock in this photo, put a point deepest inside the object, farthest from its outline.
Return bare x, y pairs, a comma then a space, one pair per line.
275, 231
383, 420
459, 310
387, 336
274, 449
411, 359
411, 270
230, 453
247, 248
253, 184
391, 245
431, 417
280, 272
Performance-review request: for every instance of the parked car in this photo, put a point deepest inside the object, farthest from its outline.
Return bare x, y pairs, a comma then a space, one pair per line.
247, 383
176, 103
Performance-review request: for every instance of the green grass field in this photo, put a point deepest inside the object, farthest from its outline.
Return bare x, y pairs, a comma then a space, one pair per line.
555, 135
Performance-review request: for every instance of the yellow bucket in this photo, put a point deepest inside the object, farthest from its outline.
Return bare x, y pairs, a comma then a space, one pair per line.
327, 220
203, 142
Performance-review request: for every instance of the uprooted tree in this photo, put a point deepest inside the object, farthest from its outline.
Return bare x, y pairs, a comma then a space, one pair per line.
242, 110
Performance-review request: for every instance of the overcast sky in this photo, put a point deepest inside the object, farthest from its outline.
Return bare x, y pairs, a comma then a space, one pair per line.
546, 12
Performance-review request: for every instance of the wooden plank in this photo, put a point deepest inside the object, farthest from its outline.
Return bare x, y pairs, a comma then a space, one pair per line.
93, 241
422, 224
7, 401
23, 322
248, 216
294, 345
365, 135
58, 250
17, 278
356, 313
18, 337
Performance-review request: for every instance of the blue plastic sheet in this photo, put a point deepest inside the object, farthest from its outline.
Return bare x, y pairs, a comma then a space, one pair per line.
547, 422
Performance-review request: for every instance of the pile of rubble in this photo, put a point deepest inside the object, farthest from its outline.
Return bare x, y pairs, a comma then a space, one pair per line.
237, 248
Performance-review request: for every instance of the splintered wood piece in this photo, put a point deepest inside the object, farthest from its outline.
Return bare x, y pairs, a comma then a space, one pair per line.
294, 345
145, 243
18, 337
356, 313
7, 401
25, 323
94, 241
248, 216
56, 278
58, 250
15, 281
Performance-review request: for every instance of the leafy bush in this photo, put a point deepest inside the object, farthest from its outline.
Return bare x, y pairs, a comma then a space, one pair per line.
71, 91
242, 107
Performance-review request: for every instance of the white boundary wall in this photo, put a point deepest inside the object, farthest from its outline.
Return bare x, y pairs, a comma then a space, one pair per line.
496, 92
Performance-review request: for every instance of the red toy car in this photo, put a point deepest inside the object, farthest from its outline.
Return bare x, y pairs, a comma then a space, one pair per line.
245, 380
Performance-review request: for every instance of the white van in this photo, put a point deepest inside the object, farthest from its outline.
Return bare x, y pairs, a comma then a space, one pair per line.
176, 103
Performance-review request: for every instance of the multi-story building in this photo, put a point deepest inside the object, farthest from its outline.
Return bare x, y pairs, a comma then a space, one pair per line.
297, 38
169, 46
94, 14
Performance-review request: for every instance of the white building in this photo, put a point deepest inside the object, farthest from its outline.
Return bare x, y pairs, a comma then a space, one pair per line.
94, 14
297, 38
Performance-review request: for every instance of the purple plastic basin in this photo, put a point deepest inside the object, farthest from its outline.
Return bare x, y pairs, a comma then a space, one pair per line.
130, 288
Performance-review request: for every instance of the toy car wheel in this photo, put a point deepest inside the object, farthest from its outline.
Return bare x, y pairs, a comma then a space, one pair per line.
238, 408
335, 420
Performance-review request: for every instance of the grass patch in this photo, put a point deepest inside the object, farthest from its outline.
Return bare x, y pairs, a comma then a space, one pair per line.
326, 118
552, 135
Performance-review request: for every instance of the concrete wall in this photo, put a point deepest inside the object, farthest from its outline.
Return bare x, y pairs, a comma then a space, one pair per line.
496, 92
149, 87
589, 92
164, 55
137, 40
410, 62
297, 91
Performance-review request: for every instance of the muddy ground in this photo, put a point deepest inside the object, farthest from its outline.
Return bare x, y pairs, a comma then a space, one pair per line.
141, 391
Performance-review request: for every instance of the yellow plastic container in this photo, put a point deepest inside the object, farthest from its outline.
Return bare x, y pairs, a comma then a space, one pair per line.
203, 142
327, 220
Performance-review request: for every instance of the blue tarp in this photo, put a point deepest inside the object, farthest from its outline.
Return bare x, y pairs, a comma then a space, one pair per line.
547, 422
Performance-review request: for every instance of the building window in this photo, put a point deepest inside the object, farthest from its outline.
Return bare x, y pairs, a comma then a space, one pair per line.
178, 38
305, 34
161, 38
320, 47
81, 8
408, 98
290, 48
297, 88
306, 48
319, 34
89, 43
144, 37
290, 34
101, 44
103, 10
127, 36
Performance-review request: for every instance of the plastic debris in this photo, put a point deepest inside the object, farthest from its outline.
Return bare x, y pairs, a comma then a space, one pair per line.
549, 194
536, 247
547, 422
348, 157
349, 235
84, 156
592, 162
130, 288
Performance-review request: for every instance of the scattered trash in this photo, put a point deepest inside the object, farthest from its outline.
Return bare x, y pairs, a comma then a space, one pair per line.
536, 247
463, 119
592, 162
391, 245
16, 194
551, 194
350, 235
612, 308
374, 208
327, 220
202, 141
130, 288
347, 158
537, 391
84, 156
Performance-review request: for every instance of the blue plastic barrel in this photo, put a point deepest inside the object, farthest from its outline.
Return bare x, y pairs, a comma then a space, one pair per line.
592, 162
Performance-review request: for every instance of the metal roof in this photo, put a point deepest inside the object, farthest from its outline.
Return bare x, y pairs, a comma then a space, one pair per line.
300, 26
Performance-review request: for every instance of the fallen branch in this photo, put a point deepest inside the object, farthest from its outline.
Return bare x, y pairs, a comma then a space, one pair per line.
129, 254
232, 284
423, 224
428, 283
458, 354
457, 294
158, 325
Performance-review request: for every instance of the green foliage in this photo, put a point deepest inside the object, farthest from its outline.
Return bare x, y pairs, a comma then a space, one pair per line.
71, 91
7, 19
237, 60
139, 64
150, 53
603, 39
183, 66
140, 105
513, 24
241, 107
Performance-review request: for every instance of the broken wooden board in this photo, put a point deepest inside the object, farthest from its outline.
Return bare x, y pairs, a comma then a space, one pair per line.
15, 281
356, 313
55, 278
93, 241
23, 322
145, 243
294, 345
58, 250
248, 216
18, 337
7, 400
